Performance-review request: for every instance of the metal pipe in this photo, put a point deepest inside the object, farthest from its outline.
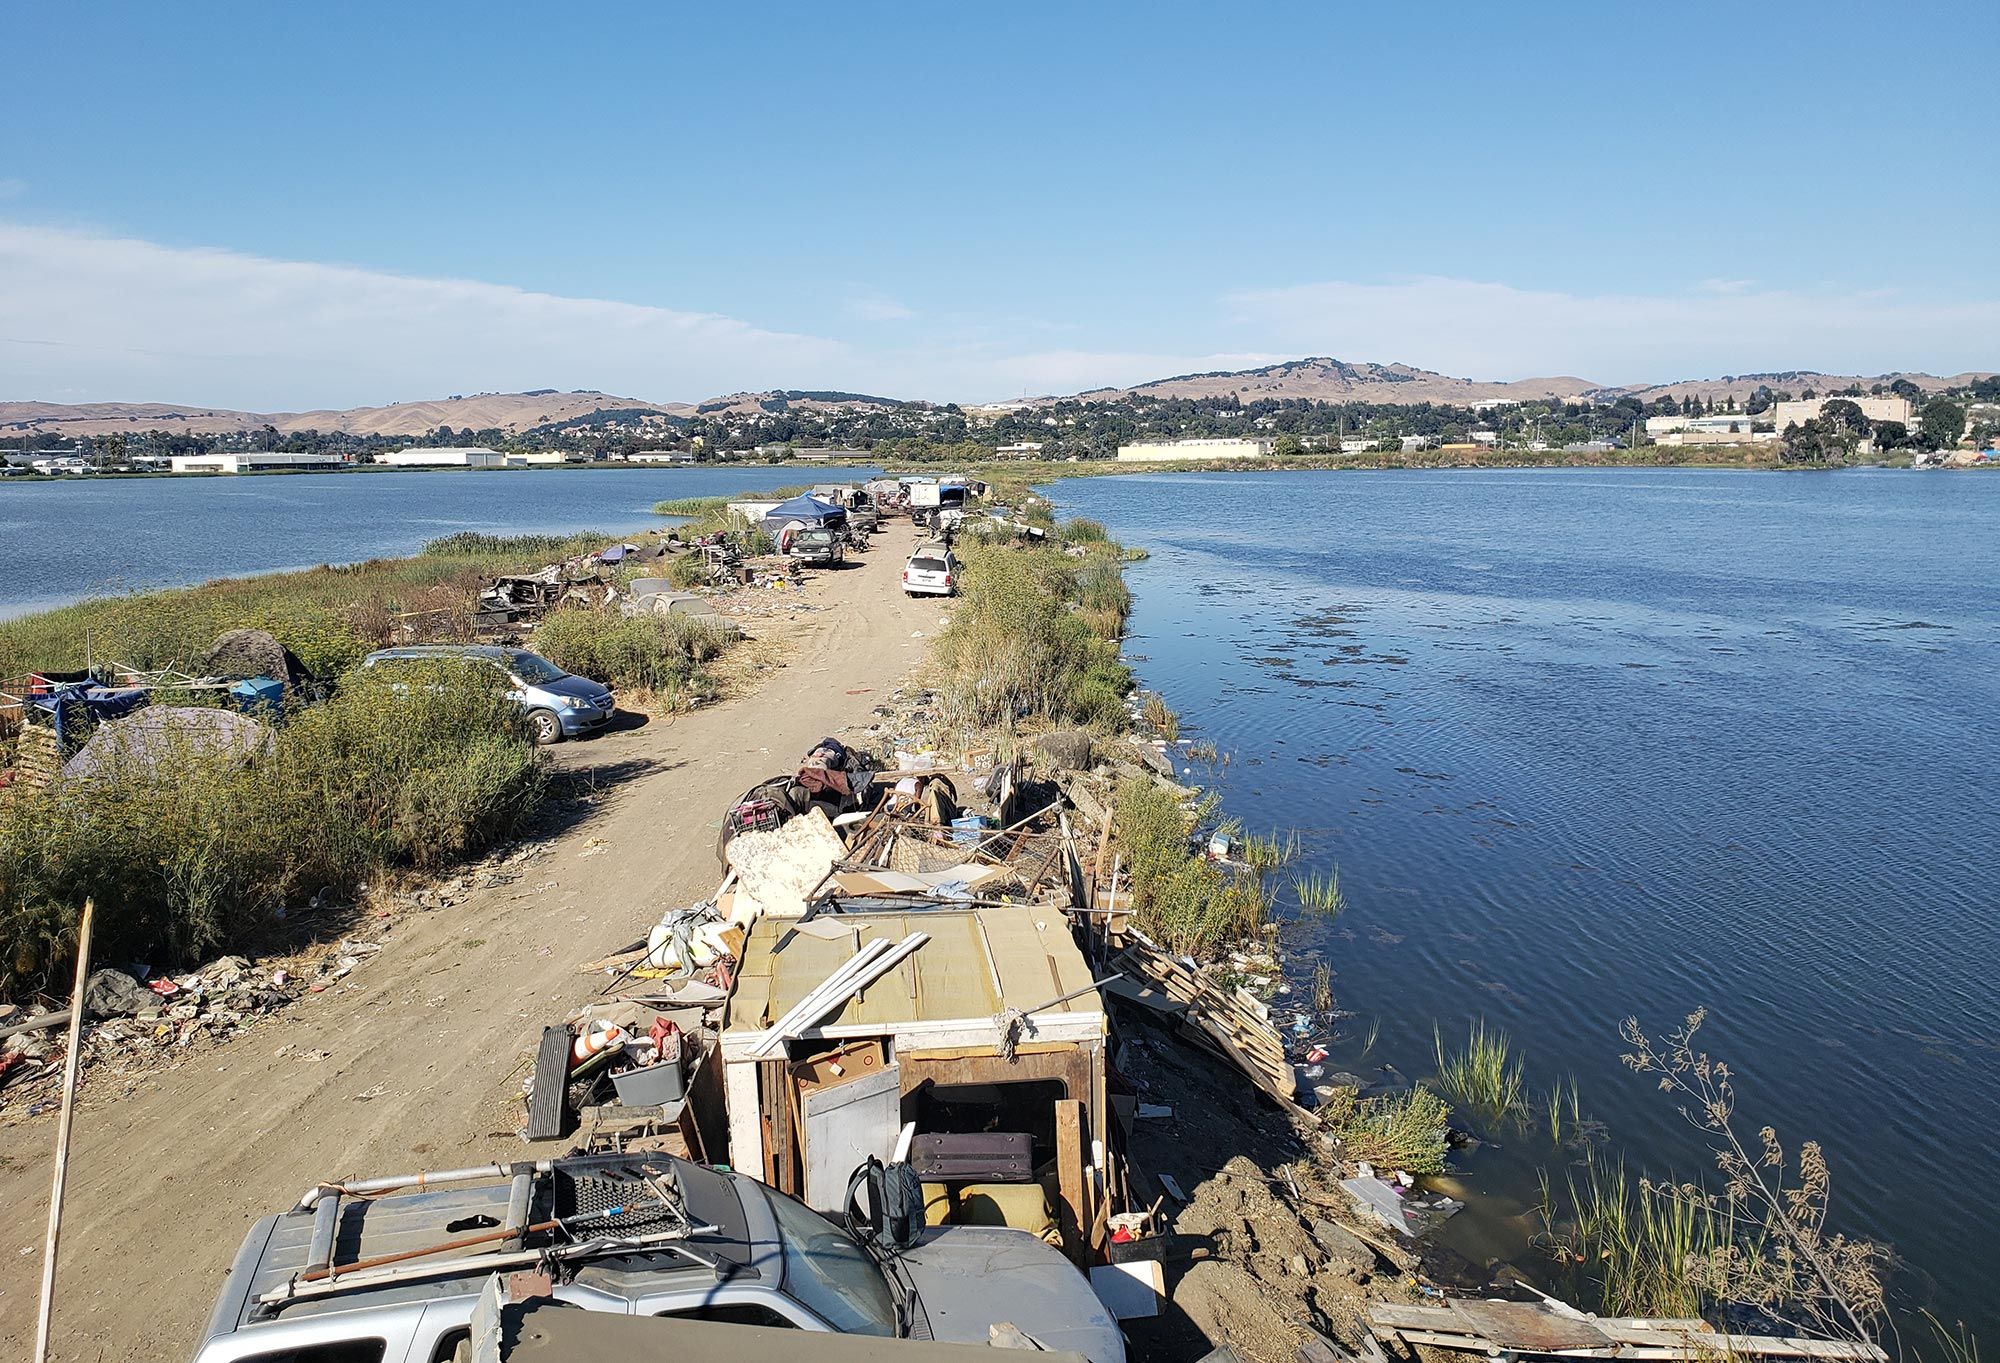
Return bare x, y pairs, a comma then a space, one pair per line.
449, 1268
326, 1219
517, 1202
365, 1187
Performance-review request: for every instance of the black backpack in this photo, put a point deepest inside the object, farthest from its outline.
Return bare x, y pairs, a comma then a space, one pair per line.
895, 1202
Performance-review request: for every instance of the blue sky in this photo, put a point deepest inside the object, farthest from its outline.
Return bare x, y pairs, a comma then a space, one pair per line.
294, 206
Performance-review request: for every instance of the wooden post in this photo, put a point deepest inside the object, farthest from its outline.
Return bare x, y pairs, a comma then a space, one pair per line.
1069, 1172
70, 1066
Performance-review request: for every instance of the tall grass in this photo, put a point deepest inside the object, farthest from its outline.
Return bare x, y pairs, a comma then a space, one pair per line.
1319, 893
1646, 1253
689, 506
1034, 637
659, 654
1485, 1077
1159, 718
191, 849
328, 616
1183, 900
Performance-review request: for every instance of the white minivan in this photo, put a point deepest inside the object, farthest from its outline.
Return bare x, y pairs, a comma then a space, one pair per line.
931, 571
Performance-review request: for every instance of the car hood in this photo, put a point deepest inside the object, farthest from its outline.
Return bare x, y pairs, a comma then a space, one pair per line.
972, 1277
578, 688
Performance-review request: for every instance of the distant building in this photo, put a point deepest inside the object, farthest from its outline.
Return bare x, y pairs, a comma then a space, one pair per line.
443, 457
820, 454
1737, 433
661, 457
540, 458
1412, 443
1167, 451
1875, 409
1025, 449
252, 462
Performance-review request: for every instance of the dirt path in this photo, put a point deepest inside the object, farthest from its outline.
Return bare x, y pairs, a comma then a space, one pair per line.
425, 1043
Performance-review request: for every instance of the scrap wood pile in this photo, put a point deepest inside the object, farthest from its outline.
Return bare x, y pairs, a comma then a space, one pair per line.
1555, 1329
1231, 1022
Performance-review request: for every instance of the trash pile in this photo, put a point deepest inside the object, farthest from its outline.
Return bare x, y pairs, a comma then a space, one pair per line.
138, 1020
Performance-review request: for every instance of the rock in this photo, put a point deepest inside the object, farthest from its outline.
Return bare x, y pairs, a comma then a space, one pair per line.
1300, 1268
1343, 1247
114, 994
1065, 750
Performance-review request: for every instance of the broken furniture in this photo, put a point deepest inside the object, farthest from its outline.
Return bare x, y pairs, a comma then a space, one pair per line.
932, 1042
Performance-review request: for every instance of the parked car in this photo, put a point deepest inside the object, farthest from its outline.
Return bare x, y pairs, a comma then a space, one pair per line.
555, 703
931, 571
643, 1234
818, 547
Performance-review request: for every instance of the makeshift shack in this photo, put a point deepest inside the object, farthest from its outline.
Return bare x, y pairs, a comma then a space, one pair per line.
969, 1038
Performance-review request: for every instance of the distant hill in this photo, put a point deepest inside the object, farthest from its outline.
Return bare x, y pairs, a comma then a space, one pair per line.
1320, 379
1793, 381
509, 412
1316, 379
788, 400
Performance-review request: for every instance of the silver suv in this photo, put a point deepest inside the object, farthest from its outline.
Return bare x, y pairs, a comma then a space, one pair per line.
389, 1270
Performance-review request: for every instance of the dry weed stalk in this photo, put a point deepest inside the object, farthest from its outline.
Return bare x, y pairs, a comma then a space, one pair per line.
1832, 1282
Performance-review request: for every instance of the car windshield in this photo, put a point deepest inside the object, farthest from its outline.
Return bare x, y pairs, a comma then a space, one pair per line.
829, 1271
535, 670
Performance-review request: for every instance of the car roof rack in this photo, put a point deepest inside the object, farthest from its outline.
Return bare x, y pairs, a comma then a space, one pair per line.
593, 1205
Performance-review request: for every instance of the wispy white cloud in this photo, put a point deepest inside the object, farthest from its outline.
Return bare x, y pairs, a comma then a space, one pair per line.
120, 318
1480, 329
870, 306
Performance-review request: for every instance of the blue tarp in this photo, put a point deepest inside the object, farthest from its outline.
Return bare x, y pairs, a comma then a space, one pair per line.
808, 509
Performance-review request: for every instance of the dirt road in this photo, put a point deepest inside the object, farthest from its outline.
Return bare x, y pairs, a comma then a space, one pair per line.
425, 1043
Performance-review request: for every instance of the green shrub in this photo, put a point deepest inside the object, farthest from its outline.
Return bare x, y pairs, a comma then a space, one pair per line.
660, 654
1401, 1131
194, 849
1183, 900
687, 571
1021, 645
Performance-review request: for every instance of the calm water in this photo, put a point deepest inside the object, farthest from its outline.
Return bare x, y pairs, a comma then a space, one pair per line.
84, 537
1586, 745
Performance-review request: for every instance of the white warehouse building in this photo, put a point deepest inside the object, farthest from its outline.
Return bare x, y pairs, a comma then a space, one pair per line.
251, 462
444, 457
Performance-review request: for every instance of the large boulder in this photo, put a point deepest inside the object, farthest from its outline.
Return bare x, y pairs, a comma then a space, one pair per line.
1064, 750
114, 994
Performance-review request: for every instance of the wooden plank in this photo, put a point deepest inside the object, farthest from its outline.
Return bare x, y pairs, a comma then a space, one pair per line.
1070, 1178
548, 1097
1526, 1327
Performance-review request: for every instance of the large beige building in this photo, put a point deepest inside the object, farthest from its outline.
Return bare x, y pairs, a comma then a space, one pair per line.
1875, 409
1169, 451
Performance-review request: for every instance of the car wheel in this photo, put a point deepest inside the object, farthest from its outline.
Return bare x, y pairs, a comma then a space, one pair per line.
544, 728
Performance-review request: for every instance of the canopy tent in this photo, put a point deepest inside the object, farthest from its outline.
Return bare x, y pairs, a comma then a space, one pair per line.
804, 510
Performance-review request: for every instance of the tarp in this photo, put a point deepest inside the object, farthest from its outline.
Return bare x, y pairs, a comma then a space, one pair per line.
807, 509
161, 735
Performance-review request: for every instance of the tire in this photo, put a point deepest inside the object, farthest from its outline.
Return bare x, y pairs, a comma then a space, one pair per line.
544, 728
